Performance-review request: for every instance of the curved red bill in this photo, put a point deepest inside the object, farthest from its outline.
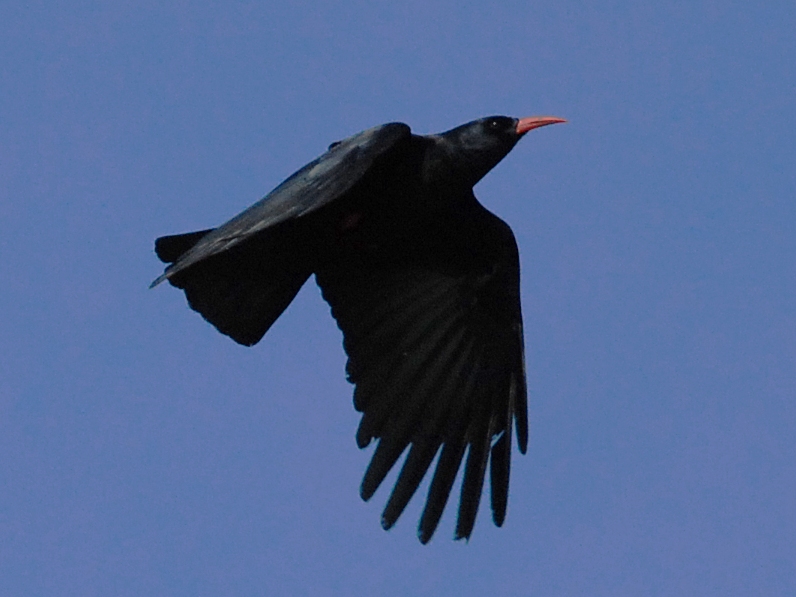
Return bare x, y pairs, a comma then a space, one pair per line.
534, 122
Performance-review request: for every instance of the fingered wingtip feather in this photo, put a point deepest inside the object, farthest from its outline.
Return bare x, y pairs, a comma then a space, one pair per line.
499, 469
158, 280
439, 491
415, 467
387, 453
522, 439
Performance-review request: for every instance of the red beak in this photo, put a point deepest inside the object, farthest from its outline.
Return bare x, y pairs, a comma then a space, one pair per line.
534, 122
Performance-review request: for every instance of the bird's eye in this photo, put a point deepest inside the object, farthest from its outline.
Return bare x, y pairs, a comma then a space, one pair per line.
494, 124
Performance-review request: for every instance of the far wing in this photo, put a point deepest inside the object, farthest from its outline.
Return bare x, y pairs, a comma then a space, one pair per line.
435, 349
316, 184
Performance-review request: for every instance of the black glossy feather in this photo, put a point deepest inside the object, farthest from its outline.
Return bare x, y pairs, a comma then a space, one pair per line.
402, 383
445, 474
414, 469
479, 435
405, 421
414, 391
428, 434
499, 469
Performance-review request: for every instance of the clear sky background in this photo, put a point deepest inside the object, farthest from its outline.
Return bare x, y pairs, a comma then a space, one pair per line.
144, 454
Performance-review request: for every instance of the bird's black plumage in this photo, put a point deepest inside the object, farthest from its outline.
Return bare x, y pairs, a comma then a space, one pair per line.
423, 282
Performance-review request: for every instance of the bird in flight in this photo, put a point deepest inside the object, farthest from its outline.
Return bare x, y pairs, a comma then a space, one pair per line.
424, 283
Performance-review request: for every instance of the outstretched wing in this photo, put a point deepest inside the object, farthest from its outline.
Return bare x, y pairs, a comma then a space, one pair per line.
313, 186
433, 334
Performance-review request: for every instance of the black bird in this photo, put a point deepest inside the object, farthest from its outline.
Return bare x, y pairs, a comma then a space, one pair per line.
424, 283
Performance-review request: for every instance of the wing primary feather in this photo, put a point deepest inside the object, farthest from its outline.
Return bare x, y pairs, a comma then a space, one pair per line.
473, 483
480, 434
361, 317
410, 318
407, 319
388, 450
420, 456
520, 393
383, 290
437, 411
377, 359
499, 469
450, 459
395, 376
500, 455
398, 430
433, 365
410, 423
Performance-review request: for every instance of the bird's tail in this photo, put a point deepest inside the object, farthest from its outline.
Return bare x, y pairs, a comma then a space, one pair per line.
241, 291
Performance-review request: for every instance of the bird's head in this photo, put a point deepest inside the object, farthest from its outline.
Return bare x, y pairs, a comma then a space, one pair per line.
477, 147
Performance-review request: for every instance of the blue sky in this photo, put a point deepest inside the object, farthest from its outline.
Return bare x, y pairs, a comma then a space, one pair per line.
143, 453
